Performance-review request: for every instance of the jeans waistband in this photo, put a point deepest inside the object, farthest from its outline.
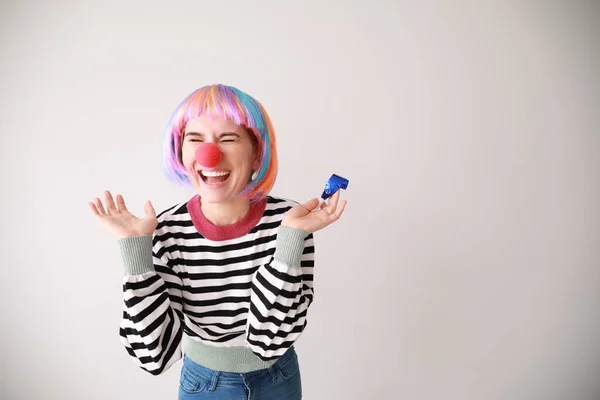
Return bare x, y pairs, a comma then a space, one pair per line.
223, 377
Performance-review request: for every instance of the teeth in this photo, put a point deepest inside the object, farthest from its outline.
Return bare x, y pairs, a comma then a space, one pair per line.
214, 173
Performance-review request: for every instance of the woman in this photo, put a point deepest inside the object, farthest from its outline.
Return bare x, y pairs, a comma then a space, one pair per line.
225, 277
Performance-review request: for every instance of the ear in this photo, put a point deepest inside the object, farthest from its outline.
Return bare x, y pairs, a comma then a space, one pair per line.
256, 163
256, 149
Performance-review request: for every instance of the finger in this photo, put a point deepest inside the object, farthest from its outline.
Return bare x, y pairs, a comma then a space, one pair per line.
337, 214
149, 210
100, 207
121, 203
110, 203
340, 210
333, 202
311, 204
94, 209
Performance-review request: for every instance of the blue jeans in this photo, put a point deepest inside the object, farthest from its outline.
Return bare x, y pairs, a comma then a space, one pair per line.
281, 381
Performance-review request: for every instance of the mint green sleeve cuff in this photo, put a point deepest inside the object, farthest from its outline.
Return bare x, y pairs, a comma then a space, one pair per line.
289, 246
137, 254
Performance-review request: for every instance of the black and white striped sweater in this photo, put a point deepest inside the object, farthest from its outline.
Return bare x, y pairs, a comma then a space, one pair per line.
241, 291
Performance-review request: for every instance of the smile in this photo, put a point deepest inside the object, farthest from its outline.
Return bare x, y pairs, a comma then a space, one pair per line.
214, 178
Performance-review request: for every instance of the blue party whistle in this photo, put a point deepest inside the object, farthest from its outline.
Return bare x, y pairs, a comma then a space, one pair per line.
334, 183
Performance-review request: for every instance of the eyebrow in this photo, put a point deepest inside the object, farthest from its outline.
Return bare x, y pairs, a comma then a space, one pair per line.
220, 135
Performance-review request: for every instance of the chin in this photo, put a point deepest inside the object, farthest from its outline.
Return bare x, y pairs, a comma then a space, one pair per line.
216, 196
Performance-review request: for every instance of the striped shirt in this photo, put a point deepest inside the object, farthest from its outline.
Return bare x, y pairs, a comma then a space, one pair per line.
246, 285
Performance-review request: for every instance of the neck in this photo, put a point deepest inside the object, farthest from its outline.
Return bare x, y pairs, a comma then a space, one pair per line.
222, 214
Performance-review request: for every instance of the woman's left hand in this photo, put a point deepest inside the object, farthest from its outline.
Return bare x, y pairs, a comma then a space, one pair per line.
309, 218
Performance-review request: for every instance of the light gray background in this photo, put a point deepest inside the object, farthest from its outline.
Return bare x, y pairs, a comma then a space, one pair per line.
467, 264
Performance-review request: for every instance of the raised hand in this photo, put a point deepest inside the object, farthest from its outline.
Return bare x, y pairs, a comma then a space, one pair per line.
119, 221
310, 218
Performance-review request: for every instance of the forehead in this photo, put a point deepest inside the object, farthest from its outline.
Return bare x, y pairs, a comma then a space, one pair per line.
207, 125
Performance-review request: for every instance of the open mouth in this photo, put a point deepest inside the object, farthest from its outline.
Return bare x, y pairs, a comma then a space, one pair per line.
214, 177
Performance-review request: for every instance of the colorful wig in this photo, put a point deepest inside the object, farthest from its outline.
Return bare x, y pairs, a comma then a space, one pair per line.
233, 105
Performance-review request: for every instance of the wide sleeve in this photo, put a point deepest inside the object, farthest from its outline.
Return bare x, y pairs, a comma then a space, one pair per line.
152, 323
281, 293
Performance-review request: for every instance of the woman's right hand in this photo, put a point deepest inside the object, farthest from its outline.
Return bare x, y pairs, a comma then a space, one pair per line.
119, 221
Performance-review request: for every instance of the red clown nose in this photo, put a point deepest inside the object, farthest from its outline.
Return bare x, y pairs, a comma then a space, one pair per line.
208, 155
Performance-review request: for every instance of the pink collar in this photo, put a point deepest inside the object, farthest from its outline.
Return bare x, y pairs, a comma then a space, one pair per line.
226, 232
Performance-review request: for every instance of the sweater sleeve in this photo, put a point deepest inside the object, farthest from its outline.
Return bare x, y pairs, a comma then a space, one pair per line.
152, 323
281, 292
